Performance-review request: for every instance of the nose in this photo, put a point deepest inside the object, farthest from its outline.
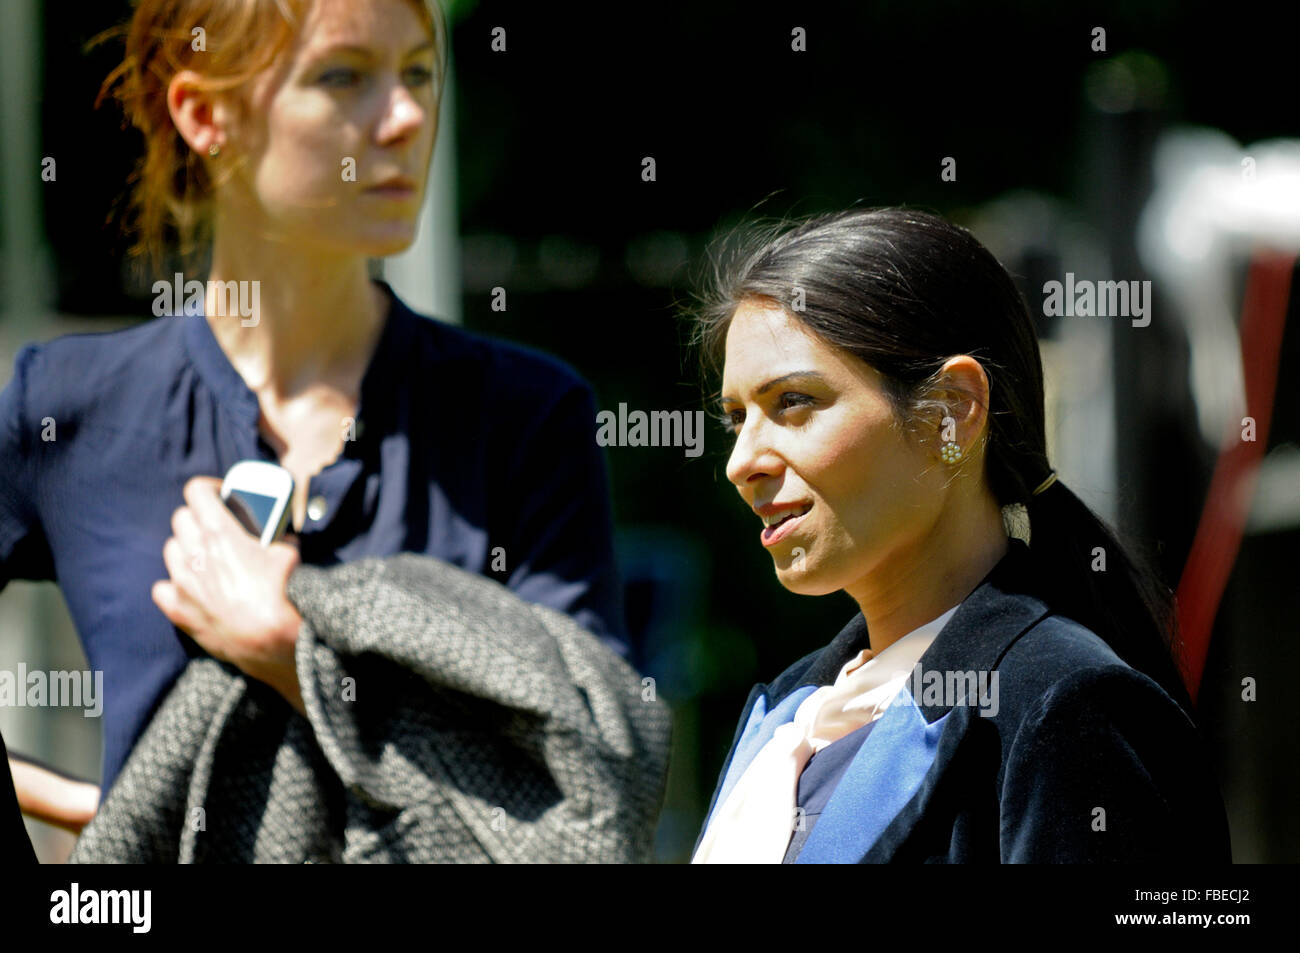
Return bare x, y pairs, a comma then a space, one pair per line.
752, 457
403, 116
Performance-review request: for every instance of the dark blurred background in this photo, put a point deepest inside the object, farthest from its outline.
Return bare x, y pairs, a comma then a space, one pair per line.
1054, 144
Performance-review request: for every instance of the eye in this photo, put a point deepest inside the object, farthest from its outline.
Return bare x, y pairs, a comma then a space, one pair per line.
730, 421
340, 78
791, 400
419, 76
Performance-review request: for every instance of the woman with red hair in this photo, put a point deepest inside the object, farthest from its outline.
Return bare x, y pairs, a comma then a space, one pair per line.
287, 143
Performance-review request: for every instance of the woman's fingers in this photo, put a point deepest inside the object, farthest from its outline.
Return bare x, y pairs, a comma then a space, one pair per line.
182, 565
181, 610
186, 530
203, 496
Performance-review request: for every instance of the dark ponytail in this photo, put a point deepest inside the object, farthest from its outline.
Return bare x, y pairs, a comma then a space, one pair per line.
1125, 603
904, 291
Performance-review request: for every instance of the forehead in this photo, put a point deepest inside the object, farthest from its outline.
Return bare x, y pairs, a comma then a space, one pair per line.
356, 21
763, 339
329, 23
765, 342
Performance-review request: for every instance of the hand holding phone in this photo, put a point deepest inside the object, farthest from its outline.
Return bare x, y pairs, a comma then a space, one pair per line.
260, 495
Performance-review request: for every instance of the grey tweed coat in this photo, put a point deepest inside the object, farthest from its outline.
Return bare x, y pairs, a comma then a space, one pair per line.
448, 721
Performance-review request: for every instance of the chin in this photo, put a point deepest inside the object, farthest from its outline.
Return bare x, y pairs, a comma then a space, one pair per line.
382, 247
375, 243
806, 581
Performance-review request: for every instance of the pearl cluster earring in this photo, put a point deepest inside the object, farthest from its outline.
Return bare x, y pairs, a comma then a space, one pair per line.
951, 452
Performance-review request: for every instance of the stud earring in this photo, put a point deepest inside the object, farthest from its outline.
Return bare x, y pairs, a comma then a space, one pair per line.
951, 452
214, 150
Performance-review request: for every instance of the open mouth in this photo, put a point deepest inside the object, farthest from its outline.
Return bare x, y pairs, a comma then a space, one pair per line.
778, 525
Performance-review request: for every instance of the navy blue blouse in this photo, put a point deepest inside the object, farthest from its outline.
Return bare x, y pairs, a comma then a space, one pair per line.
817, 782
463, 445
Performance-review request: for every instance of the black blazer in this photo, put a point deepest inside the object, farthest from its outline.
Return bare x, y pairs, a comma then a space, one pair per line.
1069, 755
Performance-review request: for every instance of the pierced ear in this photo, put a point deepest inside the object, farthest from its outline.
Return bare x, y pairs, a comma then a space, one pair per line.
948, 428
201, 116
959, 402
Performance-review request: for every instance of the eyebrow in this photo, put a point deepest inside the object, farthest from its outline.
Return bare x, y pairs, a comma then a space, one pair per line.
777, 381
366, 51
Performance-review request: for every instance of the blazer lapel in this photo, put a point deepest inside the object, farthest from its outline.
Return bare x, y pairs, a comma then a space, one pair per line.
882, 778
876, 792
985, 625
908, 744
755, 728
759, 728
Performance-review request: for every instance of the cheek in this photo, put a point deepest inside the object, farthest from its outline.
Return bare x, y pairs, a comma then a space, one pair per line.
853, 458
306, 143
869, 478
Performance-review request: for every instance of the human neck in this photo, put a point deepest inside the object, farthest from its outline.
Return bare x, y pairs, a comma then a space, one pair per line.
918, 583
317, 321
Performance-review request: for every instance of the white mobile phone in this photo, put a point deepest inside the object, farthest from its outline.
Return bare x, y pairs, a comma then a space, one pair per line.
260, 495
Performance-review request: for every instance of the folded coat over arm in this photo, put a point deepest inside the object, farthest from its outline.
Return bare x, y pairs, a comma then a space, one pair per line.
448, 721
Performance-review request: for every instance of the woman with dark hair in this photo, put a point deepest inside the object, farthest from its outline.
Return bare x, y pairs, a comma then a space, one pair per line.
1008, 691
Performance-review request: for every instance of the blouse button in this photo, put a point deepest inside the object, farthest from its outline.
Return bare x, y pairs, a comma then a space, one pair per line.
316, 507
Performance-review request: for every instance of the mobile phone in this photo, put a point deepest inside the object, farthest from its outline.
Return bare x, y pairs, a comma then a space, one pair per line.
260, 495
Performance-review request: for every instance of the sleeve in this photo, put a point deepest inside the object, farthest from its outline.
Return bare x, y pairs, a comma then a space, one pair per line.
1106, 768
24, 553
560, 552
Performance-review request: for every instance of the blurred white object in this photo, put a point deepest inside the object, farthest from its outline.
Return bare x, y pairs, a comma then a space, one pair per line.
1214, 202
